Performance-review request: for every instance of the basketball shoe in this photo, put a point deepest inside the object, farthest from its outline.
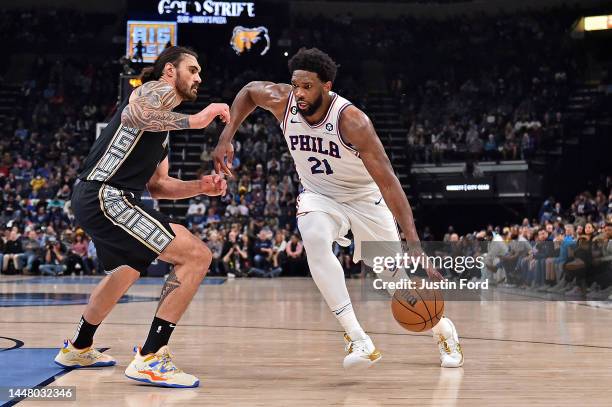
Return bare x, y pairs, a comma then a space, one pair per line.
70, 357
361, 352
451, 354
159, 370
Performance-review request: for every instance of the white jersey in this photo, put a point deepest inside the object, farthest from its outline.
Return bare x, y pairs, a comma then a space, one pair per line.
325, 163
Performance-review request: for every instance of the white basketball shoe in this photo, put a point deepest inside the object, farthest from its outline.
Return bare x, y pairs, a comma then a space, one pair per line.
451, 354
361, 352
70, 357
158, 369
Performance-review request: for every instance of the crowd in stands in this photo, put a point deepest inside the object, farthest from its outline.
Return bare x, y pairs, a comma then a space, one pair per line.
567, 250
48, 30
501, 96
42, 147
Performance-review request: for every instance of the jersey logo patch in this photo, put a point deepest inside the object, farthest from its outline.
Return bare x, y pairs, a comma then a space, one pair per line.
295, 121
293, 109
329, 127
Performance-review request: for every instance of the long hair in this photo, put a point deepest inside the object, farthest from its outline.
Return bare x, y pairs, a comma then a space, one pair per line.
172, 55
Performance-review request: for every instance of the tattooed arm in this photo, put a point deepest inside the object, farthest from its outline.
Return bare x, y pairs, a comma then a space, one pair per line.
150, 109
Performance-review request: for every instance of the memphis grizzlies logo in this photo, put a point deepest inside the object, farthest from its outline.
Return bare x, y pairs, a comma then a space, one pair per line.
243, 39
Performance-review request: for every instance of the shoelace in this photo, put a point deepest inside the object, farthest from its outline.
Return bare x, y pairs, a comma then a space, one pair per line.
352, 345
92, 354
167, 364
348, 347
443, 345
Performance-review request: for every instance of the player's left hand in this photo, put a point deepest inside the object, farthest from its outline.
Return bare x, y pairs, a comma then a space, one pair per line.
213, 185
223, 156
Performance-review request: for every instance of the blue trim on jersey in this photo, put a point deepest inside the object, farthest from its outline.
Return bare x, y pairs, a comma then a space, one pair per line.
342, 141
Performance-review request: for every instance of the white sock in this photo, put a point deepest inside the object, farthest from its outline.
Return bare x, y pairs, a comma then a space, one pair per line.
348, 320
443, 327
319, 231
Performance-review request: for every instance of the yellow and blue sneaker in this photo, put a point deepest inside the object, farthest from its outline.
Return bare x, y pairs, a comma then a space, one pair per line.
159, 370
70, 357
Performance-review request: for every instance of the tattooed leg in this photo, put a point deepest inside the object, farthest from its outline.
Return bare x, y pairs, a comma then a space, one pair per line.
191, 259
180, 287
172, 283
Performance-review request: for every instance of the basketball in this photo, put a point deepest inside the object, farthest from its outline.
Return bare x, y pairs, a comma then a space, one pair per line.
417, 310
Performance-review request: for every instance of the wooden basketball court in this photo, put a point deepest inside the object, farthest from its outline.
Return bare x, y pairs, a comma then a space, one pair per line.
261, 342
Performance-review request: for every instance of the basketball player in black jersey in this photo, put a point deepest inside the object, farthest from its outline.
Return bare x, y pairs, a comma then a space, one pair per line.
130, 155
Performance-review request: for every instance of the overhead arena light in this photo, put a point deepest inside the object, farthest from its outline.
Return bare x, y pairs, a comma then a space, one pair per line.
596, 23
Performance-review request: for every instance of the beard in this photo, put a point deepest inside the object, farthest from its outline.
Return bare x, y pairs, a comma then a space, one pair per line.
184, 90
312, 107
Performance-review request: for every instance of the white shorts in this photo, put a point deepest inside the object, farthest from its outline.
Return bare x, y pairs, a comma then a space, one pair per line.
368, 218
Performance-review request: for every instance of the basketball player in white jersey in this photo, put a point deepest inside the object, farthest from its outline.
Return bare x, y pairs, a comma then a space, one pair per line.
348, 183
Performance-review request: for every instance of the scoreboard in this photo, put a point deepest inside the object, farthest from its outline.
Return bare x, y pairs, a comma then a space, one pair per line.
154, 35
243, 34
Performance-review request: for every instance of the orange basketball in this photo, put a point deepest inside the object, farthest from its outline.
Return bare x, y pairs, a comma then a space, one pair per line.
417, 310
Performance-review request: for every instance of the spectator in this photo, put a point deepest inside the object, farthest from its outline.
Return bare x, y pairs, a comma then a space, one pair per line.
215, 244
262, 260
79, 248
197, 219
138, 49
55, 255
196, 206
212, 217
278, 249
235, 256
38, 183
243, 209
93, 265
295, 250
272, 210
32, 252
13, 250
232, 210
490, 148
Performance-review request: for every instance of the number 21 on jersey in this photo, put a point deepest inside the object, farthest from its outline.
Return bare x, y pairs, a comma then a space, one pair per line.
316, 166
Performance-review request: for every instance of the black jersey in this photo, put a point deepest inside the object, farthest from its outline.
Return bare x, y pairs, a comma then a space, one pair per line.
124, 157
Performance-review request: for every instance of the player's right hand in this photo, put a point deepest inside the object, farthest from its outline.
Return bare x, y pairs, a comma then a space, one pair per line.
213, 185
223, 156
208, 114
434, 274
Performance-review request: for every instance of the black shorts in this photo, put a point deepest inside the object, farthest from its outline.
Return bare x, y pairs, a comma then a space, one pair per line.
124, 231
